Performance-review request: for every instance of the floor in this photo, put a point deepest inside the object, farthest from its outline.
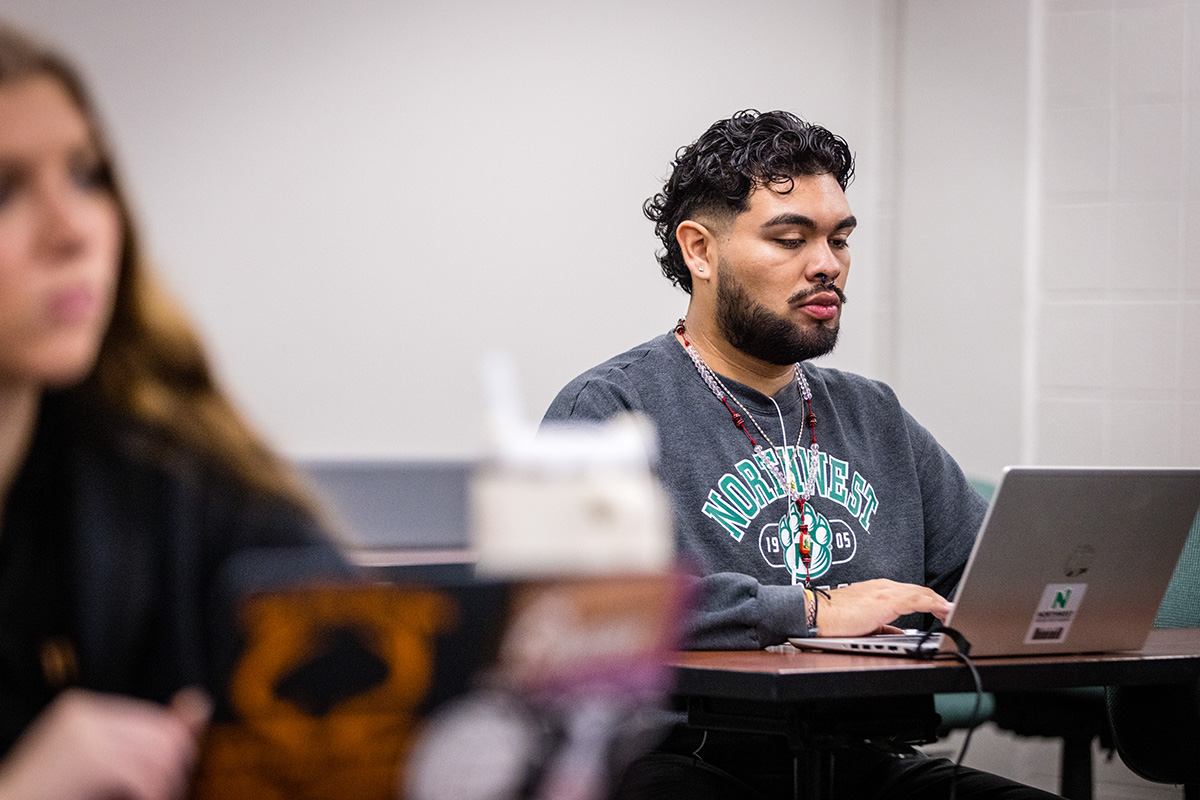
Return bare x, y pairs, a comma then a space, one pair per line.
1034, 761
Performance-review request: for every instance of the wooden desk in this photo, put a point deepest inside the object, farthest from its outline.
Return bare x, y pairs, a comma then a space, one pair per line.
822, 700
1170, 656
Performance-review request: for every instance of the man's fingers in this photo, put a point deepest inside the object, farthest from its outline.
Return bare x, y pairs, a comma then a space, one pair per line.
869, 606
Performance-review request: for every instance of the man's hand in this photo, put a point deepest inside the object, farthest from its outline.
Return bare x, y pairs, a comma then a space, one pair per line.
867, 607
88, 745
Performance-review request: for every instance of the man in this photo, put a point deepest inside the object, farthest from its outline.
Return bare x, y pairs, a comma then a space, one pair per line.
810, 502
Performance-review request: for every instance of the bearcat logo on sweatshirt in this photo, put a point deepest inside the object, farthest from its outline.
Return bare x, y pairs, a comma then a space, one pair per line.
783, 537
741, 495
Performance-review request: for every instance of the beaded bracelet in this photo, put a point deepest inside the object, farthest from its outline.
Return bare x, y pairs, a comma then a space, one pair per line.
810, 612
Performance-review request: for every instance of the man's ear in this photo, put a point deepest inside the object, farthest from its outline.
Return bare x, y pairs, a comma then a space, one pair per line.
698, 245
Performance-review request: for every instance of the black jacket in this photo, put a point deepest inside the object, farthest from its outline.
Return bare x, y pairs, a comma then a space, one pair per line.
153, 546
153, 535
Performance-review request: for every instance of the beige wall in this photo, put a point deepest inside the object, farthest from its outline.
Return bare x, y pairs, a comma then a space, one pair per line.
355, 200
956, 343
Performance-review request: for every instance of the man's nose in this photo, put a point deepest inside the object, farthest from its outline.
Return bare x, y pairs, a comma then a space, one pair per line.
824, 267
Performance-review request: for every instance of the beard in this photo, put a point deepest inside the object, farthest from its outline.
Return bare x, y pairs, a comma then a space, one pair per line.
761, 333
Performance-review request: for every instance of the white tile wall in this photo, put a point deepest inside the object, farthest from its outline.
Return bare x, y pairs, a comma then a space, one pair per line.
1077, 154
1118, 290
1072, 432
1077, 6
1191, 150
1144, 362
1190, 278
1075, 81
1191, 49
1148, 152
1190, 352
1189, 428
1145, 250
1123, 4
1148, 54
1144, 434
1074, 346
1077, 250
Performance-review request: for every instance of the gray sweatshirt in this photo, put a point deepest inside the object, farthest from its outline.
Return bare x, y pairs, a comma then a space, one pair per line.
889, 501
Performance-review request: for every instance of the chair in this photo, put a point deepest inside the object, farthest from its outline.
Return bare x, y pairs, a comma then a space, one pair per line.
1157, 728
1076, 716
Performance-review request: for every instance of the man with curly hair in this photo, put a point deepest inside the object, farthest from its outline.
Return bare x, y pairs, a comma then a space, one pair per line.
809, 502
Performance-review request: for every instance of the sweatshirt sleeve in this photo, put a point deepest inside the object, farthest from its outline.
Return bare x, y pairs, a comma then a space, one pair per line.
590, 399
736, 612
953, 511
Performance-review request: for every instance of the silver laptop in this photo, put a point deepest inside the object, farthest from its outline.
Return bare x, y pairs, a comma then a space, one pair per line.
1068, 560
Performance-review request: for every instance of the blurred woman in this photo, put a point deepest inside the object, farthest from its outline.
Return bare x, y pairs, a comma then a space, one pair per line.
126, 477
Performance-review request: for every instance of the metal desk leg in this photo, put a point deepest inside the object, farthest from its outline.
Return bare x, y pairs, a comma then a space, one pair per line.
1075, 782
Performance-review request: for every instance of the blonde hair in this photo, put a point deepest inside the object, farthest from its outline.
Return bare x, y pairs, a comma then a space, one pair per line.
151, 366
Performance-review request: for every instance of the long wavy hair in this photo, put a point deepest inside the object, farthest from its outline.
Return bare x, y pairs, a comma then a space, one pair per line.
151, 368
716, 173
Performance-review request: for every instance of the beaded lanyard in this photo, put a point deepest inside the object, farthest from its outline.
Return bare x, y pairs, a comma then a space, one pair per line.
799, 498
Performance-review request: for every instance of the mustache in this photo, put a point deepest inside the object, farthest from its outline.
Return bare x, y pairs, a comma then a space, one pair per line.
800, 297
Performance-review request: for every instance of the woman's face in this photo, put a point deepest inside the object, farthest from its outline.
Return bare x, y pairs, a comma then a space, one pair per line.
60, 237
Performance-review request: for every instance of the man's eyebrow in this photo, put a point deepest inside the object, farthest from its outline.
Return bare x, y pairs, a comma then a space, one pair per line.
802, 221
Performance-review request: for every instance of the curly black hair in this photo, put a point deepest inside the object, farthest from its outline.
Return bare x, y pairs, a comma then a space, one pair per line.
717, 172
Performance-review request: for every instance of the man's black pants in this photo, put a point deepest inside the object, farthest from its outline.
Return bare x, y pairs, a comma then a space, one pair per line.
743, 766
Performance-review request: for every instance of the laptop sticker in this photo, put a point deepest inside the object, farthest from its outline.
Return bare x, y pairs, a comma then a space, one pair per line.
1052, 619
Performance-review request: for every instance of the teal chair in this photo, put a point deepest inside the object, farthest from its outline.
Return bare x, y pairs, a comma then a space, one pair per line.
1157, 728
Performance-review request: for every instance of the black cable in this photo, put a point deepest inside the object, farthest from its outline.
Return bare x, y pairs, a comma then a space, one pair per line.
962, 753
962, 651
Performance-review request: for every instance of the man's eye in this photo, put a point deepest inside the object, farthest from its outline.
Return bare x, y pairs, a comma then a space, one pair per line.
790, 243
839, 244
